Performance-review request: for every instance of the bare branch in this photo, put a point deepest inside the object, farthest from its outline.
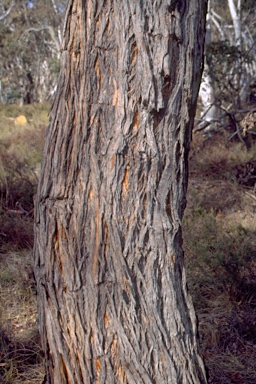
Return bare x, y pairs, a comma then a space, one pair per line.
51, 33
2, 17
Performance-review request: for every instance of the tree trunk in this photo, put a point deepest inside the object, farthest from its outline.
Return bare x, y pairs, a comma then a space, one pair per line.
113, 305
240, 70
235, 12
206, 90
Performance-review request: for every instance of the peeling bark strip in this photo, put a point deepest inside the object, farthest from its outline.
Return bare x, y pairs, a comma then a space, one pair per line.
112, 296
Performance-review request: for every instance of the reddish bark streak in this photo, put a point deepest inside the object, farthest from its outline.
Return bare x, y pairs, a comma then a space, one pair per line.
112, 298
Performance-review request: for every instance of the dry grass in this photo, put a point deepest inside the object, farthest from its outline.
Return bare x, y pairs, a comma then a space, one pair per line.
220, 247
20, 353
214, 158
219, 241
20, 153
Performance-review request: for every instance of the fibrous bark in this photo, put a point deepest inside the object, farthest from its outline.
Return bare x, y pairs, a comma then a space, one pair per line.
112, 296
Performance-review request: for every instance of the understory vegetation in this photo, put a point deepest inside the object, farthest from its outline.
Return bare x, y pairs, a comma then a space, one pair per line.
220, 249
219, 242
21, 144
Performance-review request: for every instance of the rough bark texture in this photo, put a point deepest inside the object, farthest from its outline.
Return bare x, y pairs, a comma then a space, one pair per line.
112, 297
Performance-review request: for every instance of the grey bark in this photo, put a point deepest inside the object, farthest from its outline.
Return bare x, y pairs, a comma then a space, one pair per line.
113, 305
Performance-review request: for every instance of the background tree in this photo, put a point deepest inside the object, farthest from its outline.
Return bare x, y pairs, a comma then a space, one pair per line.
113, 304
229, 77
207, 92
30, 49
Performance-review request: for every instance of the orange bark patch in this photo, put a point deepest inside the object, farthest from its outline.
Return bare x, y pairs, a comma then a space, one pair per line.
106, 320
163, 361
106, 246
92, 117
135, 123
114, 347
116, 94
127, 285
63, 233
112, 162
108, 27
63, 373
95, 231
98, 366
95, 262
98, 71
173, 258
98, 370
131, 219
125, 183
121, 374
91, 195
134, 54
81, 182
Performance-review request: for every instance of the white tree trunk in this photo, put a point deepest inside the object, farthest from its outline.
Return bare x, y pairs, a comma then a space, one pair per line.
206, 92
235, 12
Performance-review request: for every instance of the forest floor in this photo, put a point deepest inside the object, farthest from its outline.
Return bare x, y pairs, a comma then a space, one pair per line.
220, 250
219, 242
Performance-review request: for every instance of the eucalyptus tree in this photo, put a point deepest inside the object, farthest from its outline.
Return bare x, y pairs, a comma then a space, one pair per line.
113, 305
30, 42
230, 69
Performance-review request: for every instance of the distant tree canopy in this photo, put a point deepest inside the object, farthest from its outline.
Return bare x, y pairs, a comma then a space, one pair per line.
30, 42
231, 54
228, 86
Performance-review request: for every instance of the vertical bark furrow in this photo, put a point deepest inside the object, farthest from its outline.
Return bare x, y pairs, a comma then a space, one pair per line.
113, 303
